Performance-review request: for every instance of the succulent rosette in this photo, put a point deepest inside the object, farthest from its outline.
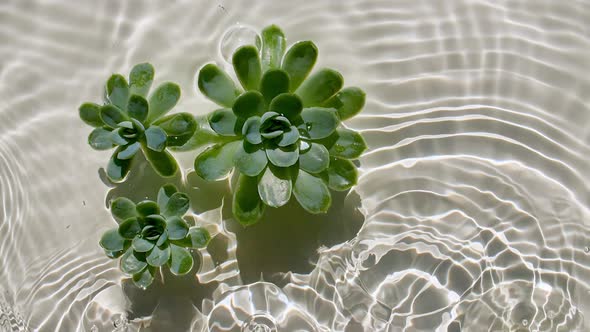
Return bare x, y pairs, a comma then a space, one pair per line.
130, 121
282, 129
151, 234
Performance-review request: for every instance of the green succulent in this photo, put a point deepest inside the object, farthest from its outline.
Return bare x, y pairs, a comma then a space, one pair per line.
129, 122
282, 130
151, 234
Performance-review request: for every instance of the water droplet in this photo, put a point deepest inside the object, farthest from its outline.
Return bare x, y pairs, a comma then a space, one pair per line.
525, 322
586, 249
236, 36
94, 328
304, 146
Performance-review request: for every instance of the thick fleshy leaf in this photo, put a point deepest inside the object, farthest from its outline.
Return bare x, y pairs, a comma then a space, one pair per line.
123, 208
147, 208
90, 114
287, 104
249, 159
129, 151
162, 162
165, 193
111, 240
348, 102
319, 87
179, 128
162, 239
345, 143
289, 137
197, 237
114, 254
162, 100
177, 205
138, 107
273, 47
216, 85
251, 130
312, 193
155, 138
342, 174
224, 122
247, 206
203, 136
274, 187
144, 278
247, 66
117, 91
132, 262
112, 115
216, 162
249, 104
156, 221
117, 169
283, 157
100, 139
273, 83
314, 160
130, 228
158, 256
299, 61
116, 137
320, 122
177, 228
141, 78
181, 260
142, 245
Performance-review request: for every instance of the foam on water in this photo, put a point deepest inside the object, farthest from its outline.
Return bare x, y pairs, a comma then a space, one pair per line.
474, 193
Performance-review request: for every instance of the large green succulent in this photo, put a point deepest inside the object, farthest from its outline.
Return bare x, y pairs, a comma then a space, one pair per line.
130, 123
282, 131
151, 234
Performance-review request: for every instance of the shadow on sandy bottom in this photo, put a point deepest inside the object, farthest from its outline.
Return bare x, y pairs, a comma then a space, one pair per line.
285, 240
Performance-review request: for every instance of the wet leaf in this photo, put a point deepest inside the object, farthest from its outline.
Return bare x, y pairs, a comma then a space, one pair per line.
141, 78
198, 237
247, 66
123, 208
177, 205
144, 278
179, 128
117, 169
155, 138
342, 174
250, 160
142, 245
273, 47
100, 139
177, 228
129, 151
165, 193
112, 115
162, 162
348, 102
251, 130
287, 104
289, 137
345, 143
132, 262
314, 160
216, 85
158, 256
181, 260
249, 104
274, 187
273, 83
90, 114
117, 91
224, 122
147, 208
312, 193
319, 87
130, 228
111, 240
247, 206
320, 122
162, 100
283, 157
216, 162
138, 108
299, 61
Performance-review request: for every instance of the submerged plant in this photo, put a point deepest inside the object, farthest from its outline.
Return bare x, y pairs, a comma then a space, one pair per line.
151, 234
282, 131
130, 122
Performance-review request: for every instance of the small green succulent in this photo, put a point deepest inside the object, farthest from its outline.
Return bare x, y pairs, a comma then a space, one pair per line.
282, 131
152, 234
130, 123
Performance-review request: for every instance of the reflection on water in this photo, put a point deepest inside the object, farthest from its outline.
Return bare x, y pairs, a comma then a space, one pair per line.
471, 212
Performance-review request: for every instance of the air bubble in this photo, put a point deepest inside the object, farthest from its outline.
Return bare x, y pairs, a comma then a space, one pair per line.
525, 322
586, 249
236, 36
